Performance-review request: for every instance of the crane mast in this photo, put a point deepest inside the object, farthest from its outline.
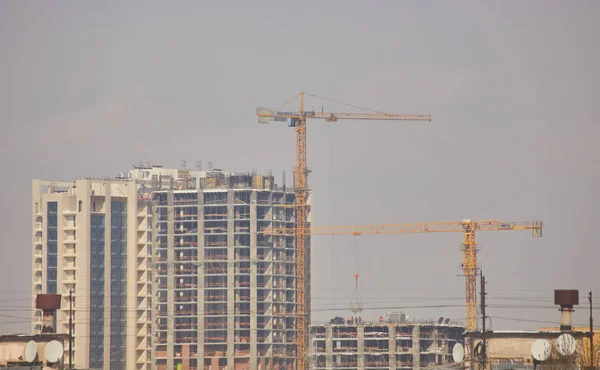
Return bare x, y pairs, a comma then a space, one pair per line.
301, 190
301, 171
469, 266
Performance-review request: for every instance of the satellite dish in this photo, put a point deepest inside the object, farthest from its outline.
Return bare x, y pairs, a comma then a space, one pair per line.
30, 351
566, 344
54, 351
540, 349
458, 352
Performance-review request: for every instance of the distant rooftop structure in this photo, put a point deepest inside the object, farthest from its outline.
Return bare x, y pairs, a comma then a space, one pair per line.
154, 177
13, 350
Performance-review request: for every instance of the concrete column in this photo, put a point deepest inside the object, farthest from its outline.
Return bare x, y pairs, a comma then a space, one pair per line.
171, 283
82, 274
230, 280
392, 346
154, 283
253, 283
60, 272
200, 300
360, 338
271, 271
185, 362
416, 348
329, 346
436, 342
131, 338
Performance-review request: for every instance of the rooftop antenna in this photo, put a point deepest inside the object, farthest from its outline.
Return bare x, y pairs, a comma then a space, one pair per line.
356, 305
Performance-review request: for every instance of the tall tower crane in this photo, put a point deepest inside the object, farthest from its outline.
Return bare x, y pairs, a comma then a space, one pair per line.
467, 227
297, 120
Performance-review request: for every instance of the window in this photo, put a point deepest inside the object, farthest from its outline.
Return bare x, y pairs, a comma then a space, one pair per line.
52, 247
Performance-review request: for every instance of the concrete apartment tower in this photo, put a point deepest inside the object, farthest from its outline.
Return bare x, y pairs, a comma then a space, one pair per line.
207, 291
92, 237
224, 293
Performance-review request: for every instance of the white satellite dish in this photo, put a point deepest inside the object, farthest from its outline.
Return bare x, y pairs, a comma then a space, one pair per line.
566, 344
30, 351
540, 349
458, 352
54, 351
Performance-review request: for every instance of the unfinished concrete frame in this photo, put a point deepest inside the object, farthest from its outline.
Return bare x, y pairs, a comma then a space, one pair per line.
224, 292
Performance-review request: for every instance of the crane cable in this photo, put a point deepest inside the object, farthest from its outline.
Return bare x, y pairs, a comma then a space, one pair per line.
346, 104
333, 205
332, 101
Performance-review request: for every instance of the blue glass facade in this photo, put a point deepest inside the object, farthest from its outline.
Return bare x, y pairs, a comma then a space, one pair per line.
97, 291
52, 245
118, 284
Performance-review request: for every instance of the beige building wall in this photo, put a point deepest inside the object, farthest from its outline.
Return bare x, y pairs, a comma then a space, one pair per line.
513, 348
76, 202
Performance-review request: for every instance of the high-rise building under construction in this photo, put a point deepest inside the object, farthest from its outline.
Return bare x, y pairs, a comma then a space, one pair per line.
207, 290
224, 292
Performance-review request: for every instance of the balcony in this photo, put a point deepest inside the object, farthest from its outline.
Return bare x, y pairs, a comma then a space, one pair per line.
142, 346
69, 226
70, 252
143, 228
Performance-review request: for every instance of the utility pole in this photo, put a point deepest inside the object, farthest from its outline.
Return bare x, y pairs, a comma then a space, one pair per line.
70, 329
483, 319
591, 332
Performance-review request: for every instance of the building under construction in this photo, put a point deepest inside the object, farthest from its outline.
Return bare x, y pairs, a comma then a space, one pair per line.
390, 344
223, 292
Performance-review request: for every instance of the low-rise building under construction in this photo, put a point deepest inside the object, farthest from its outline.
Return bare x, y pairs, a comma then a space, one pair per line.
383, 345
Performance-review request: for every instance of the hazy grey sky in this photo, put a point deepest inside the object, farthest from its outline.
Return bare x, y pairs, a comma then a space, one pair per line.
88, 88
